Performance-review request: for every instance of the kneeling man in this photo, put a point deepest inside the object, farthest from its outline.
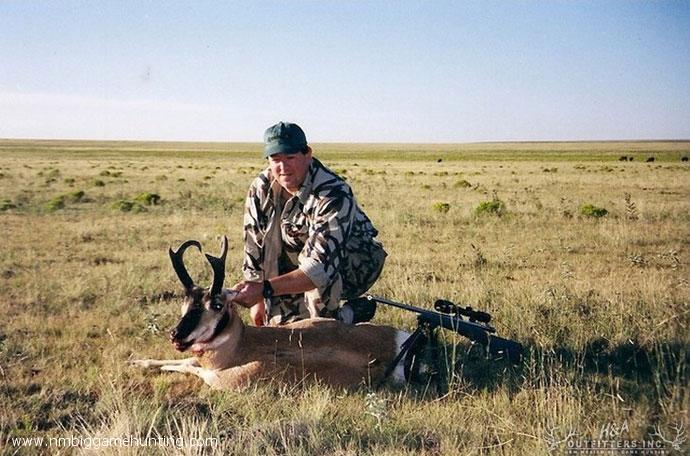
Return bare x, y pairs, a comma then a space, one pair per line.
307, 243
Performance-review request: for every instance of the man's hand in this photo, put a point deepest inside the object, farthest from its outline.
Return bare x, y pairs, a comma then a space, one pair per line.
251, 295
248, 293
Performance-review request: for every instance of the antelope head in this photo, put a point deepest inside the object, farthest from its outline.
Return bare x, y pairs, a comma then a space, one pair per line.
204, 310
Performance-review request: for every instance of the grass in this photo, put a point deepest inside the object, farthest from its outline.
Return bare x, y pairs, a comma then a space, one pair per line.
602, 305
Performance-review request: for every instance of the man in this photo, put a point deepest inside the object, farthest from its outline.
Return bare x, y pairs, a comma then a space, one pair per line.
307, 242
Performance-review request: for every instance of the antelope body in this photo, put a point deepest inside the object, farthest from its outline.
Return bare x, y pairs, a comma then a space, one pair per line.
230, 355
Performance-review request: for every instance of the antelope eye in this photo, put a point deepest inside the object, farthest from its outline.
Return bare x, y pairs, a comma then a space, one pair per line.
216, 305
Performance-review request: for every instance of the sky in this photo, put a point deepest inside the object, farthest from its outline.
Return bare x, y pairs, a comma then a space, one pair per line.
346, 71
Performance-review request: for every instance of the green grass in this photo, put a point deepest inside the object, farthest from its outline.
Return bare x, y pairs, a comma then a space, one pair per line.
601, 305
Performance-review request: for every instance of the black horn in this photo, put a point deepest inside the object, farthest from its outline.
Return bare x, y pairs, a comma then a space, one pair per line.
218, 265
178, 263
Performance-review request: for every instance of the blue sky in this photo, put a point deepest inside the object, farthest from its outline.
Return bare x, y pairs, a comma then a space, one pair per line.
347, 71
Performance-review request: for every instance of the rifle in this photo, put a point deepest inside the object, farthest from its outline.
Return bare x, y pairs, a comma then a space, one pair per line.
450, 316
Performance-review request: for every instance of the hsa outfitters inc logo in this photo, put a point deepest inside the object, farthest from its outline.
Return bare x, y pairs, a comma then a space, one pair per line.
614, 438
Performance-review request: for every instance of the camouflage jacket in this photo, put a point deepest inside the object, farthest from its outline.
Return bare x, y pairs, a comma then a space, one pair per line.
320, 229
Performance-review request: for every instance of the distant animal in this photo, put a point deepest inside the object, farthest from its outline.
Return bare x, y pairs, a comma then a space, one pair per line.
684, 158
439, 160
650, 159
230, 355
623, 158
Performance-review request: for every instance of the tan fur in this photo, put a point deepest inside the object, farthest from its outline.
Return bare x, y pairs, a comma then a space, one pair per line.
319, 349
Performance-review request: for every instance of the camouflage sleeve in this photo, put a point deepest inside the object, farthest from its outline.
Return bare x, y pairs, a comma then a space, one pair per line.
322, 254
255, 224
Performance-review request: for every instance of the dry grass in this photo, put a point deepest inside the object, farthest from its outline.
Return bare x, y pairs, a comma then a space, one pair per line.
600, 303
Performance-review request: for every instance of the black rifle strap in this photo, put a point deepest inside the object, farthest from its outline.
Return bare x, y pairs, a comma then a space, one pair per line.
404, 348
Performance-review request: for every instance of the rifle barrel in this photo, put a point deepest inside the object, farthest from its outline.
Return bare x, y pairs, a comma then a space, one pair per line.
447, 321
474, 331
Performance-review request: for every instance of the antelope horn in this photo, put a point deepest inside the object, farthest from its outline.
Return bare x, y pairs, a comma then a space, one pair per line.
218, 265
178, 263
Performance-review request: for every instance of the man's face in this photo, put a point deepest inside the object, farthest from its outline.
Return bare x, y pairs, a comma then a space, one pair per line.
290, 170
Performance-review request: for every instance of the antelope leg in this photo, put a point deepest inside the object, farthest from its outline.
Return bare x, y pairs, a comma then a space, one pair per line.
146, 363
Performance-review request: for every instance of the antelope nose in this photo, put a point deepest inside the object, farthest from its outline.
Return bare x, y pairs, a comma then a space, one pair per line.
173, 334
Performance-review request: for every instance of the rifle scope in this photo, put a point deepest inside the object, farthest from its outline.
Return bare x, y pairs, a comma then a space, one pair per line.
447, 307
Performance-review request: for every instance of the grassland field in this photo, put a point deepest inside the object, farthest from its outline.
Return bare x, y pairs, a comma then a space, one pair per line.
581, 257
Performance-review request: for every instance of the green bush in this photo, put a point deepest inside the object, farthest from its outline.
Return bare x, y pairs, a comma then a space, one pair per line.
6, 205
98, 183
128, 206
75, 197
56, 203
492, 207
148, 198
441, 207
590, 210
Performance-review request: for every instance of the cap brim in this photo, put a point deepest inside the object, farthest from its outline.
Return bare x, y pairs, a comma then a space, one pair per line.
280, 148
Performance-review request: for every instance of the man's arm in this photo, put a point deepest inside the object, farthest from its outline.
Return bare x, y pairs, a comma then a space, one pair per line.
250, 294
294, 282
321, 257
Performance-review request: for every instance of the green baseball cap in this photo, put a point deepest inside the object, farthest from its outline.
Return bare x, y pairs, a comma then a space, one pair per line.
284, 138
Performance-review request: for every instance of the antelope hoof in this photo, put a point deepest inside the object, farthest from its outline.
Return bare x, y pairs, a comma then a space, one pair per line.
143, 363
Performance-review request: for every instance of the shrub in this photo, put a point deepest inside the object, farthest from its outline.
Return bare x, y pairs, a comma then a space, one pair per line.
98, 183
150, 199
462, 184
104, 173
6, 205
590, 210
56, 203
441, 207
492, 207
128, 206
76, 197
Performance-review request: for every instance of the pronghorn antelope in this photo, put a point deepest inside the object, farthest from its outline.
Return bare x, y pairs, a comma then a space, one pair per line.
230, 355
